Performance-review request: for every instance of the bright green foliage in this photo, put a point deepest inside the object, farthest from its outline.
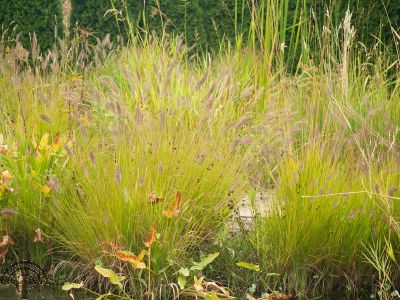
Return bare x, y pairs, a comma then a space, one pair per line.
42, 17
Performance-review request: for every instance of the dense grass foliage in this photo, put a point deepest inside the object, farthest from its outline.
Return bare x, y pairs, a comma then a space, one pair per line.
123, 171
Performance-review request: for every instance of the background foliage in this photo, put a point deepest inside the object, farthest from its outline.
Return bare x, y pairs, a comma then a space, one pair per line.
203, 22
28, 16
207, 21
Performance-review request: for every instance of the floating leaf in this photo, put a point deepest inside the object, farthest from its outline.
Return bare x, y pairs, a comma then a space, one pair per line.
184, 271
181, 281
69, 286
212, 296
204, 262
198, 286
152, 236
249, 266
110, 274
135, 260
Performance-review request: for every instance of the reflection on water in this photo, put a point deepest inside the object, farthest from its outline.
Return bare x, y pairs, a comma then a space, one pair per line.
40, 293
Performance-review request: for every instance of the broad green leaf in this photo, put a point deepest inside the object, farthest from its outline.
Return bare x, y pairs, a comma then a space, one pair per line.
212, 296
184, 271
110, 274
250, 266
181, 281
204, 262
69, 286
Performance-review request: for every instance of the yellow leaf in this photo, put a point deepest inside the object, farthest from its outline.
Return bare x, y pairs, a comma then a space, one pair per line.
45, 189
198, 283
44, 142
135, 260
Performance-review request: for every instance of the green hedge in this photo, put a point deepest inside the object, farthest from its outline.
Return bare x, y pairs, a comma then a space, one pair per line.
27, 16
369, 17
202, 22
206, 21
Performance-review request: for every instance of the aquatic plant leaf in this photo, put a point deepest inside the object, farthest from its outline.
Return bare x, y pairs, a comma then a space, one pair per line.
204, 262
135, 260
110, 274
184, 271
212, 296
69, 286
198, 283
249, 266
181, 282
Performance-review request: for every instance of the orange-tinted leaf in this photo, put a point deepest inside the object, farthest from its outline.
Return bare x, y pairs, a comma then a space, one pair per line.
152, 236
135, 260
179, 198
174, 207
276, 296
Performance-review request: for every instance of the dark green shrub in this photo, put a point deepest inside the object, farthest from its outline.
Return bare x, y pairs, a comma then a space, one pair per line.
98, 16
205, 22
28, 16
